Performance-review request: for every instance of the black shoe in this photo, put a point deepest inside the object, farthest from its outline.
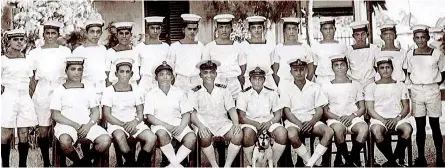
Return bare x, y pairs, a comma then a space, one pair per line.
338, 163
440, 163
420, 163
390, 164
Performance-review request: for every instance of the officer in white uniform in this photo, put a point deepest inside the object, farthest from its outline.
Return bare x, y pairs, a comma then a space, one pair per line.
345, 110
226, 51
122, 50
186, 53
213, 104
75, 110
303, 107
325, 48
94, 73
260, 110
387, 102
168, 112
17, 106
123, 108
361, 55
388, 35
151, 52
48, 65
426, 70
256, 51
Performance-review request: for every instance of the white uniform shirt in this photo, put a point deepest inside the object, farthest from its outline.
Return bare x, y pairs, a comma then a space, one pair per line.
398, 62
16, 73
322, 52
49, 63
284, 53
94, 66
259, 107
228, 55
185, 57
361, 63
342, 97
151, 55
213, 105
387, 98
123, 104
167, 108
112, 56
74, 103
303, 102
257, 55
425, 69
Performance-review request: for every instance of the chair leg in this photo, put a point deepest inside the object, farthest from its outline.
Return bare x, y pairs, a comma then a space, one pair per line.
371, 151
56, 155
197, 152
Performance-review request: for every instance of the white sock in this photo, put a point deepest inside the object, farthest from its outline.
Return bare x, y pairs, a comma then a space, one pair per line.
278, 150
169, 152
303, 153
209, 152
232, 151
182, 153
319, 151
248, 151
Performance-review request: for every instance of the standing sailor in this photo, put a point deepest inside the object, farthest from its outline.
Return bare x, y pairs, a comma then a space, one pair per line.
49, 66
226, 51
186, 53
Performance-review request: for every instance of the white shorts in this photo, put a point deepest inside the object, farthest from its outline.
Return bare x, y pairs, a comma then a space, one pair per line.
17, 109
187, 129
187, 83
140, 128
271, 128
232, 84
269, 82
324, 79
425, 100
94, 132
404, 120
42, 97
218, 127
348, 129
302, 118
147, 83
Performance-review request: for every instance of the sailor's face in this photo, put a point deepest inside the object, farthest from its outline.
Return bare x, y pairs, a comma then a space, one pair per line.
224, 30
299, 73
257, 82
339, 67
256, 30
421, 39
208, 75
191, 30
17, 43
385, 70
50, 35
164, 77
93, 34
388, 36
154, 31
124, 37
328, 31
74, 72
291, 31
360, 37
124, 73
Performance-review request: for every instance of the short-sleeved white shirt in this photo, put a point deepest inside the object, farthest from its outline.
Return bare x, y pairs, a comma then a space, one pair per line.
259, 107
112, 56
185, 57
361, 63
257, 55
284, 53
398, 62
213, 105
426, 69
16, 72
151, 55
74, 103
322, 52
167, 108
342, 97
49, 63
387, 98
303, 102
94, 66
228, 55
123, 104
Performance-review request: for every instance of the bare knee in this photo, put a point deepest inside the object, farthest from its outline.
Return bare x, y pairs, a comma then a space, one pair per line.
406, 130
43, 131
339, 133
119, 136
205, 142
23, 135
102, 142
6, 135
189, 140
249, 137
362, 132
294, 137
328, 133
238, 138
377, 131
66, 142
163, 137
280, 135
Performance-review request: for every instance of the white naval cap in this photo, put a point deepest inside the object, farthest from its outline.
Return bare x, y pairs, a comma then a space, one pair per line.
16, 33
258, 71
224, 18
420, 28
52, 24
75, 60
359, 25
123, 61
337, 57
297, 62
256, 19
208, 64
191, 18
293, 20
123, 25
436, 30
387, 26
94, 23
158, 20
327, 20
383, 59
164, 65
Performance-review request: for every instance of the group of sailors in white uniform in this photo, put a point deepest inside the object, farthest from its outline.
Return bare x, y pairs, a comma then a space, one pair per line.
192, 92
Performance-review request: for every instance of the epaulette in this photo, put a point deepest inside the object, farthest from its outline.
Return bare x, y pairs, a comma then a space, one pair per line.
221, 85
268, 88
195, 89
248, 88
